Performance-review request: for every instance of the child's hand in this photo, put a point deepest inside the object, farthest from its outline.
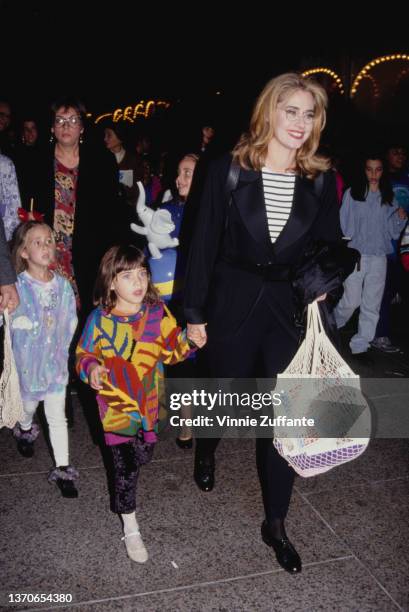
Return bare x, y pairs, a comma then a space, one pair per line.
96, 373
402, 213
197, 334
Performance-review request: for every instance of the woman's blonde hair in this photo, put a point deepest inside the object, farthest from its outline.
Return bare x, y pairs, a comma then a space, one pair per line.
251, 150
19, 243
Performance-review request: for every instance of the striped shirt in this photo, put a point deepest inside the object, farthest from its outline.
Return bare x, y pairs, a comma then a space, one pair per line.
278, 197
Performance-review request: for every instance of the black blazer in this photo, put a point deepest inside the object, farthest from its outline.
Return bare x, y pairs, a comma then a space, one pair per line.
99, 212
230, 240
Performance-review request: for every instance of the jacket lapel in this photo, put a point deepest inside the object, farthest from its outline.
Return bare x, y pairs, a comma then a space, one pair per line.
304, 210
249, 201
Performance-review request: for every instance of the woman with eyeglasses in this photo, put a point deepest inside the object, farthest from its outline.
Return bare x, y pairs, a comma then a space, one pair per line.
248, 236
78, 194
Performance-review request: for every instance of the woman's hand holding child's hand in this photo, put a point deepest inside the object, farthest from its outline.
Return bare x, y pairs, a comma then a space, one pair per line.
96, 373
197, 334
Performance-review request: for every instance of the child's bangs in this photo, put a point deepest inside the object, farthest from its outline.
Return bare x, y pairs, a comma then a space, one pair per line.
129, 261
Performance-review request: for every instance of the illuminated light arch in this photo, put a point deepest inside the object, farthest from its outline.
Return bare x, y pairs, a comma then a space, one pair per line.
373, 83
132, 113
104, 116
337, 79
375, 62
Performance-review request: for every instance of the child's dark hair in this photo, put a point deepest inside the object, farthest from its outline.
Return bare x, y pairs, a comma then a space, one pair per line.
19, 243
360, 186
117, 260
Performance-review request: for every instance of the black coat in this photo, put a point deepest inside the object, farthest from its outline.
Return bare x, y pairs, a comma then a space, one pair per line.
231, 247
100, 219
27, 160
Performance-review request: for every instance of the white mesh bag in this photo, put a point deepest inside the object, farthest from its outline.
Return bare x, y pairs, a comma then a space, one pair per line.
319, 384
11, 405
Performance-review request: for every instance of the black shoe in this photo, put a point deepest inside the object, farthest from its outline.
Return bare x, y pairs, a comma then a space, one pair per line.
67, 488
25, 448
204, 473
285, 552
184, 443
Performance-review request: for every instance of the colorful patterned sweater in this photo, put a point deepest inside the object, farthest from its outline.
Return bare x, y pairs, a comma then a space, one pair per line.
133, 349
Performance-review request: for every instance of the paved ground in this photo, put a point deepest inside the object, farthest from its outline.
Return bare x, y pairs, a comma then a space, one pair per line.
350, 527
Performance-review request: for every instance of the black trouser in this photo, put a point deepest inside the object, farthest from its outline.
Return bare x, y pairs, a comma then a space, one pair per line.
127, 459
263, 347
395, 282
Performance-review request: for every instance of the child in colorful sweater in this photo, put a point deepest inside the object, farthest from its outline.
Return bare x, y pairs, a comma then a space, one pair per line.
42, 329
126, 341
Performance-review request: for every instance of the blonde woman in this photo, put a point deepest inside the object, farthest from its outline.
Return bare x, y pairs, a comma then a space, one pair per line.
238, 294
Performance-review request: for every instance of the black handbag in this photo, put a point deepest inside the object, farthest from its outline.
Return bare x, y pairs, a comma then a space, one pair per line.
323, 268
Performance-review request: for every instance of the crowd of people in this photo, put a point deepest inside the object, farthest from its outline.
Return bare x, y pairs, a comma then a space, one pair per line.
81, 286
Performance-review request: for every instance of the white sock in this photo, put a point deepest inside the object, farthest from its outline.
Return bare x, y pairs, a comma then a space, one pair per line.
133, 542
130, 522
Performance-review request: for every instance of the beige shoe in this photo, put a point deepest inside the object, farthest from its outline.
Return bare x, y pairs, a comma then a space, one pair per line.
135, 547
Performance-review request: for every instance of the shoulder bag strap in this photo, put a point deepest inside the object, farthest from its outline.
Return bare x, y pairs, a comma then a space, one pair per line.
232, 179
319, 184
231, 184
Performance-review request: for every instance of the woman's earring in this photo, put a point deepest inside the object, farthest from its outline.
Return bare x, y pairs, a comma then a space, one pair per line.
51, 138
81, 138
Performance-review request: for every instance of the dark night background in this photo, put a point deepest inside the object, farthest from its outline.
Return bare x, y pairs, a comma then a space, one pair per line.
115, 56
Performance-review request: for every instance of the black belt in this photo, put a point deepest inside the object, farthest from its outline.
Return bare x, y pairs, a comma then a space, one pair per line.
269, 271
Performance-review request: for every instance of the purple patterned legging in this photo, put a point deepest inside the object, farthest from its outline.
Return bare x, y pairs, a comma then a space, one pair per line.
127, 458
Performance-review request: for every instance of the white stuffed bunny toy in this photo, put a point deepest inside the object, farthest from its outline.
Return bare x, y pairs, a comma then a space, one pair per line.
157, 225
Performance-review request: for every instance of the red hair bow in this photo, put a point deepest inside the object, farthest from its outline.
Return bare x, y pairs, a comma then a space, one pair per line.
24, 215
